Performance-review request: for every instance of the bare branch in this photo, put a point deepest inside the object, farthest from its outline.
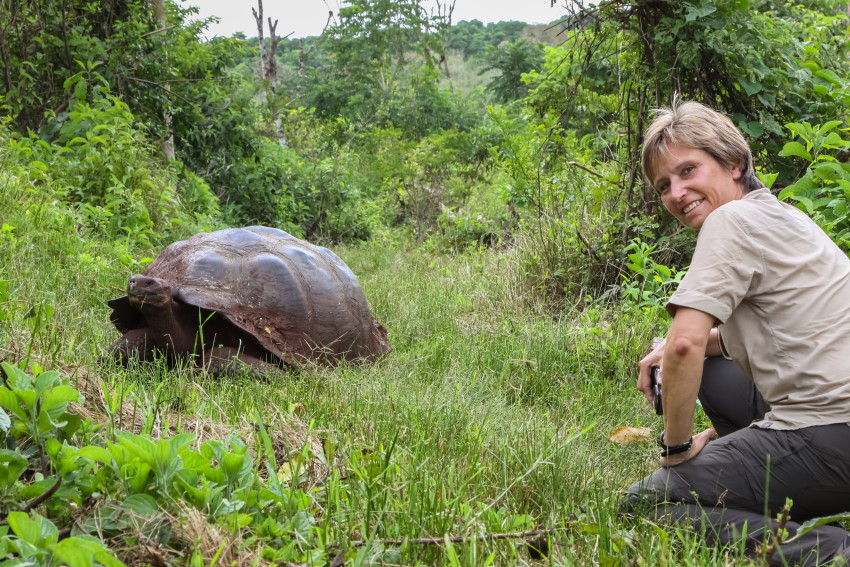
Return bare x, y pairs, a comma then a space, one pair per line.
160, 30
160, 86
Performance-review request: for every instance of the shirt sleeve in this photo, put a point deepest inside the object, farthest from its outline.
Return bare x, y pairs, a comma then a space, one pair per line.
725, 267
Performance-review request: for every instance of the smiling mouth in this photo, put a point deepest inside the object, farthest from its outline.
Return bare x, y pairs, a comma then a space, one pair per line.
692, 206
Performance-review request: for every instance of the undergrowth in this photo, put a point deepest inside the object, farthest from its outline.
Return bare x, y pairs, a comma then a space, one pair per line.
481, 439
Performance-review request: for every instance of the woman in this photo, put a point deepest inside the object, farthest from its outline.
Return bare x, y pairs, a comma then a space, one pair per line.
769, 290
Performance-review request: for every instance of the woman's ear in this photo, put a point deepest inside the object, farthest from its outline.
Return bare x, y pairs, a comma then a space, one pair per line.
736, 173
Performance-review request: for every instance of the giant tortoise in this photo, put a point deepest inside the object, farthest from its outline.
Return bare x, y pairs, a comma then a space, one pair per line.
256, 294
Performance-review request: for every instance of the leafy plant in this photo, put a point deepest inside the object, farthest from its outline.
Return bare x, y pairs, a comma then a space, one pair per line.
37, 543
823, 191
35, 407
651, 284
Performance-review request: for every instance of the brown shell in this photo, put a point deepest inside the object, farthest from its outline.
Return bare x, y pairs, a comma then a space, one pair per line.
298, 300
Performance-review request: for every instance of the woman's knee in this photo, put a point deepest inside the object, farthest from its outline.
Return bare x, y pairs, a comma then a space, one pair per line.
728, 397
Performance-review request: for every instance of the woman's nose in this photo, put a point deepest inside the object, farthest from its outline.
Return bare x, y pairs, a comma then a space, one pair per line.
677, 189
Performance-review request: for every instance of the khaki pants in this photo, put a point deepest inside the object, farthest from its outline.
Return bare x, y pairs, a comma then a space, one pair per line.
737, 485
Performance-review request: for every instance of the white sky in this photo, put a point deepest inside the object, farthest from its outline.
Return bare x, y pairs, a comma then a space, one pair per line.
308, 17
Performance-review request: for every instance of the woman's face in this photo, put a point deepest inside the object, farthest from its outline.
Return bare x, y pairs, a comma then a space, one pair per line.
693, 184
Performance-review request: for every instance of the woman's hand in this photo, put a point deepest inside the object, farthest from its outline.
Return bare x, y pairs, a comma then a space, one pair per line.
646, 364
697, 443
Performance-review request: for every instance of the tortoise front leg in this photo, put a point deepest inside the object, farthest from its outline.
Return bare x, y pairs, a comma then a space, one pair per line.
133, 344
223, 360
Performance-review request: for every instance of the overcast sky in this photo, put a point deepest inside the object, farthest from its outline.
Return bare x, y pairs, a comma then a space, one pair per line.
307, 17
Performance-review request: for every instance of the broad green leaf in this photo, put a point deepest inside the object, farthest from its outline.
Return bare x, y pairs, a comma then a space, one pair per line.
28, 397
834, 140
144, 449
767, 99
141, 504
700, 10
176, 443
803, 130
70, 81
768, 178
56, 400
83, 552
10, 402
754, 129
194, 461
46, 380
16, 378
795, 149
52, 447
47, 424
37, 531
96, 454
750, 87
233, 465
12, 466
830, 171
830, 76
805, 205
809, 525
804, 187
141, 472
829, 126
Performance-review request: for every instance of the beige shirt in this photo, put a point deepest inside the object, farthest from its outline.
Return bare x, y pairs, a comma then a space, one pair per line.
780, 289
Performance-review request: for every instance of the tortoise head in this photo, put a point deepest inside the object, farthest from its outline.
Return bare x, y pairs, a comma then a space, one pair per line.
149, 294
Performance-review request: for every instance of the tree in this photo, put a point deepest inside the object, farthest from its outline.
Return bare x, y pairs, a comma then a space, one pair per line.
372, 47
511, 61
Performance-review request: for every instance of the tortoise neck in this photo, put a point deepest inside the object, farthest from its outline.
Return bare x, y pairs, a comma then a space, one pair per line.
173, 327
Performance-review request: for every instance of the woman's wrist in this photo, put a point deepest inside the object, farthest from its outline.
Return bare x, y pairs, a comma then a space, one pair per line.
668, 450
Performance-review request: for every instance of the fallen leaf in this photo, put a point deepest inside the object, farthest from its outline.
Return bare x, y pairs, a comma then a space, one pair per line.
626, 434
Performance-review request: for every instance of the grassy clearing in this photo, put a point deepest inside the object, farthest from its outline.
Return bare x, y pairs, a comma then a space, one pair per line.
489, 417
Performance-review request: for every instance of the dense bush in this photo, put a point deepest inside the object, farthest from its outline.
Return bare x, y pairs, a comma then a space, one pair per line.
96, 158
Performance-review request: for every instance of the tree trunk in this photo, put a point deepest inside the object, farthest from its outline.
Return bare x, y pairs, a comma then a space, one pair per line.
258, 17
271, 56
167, 143
268, 69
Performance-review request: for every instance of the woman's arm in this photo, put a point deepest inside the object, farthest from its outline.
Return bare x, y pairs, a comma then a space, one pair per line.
656, 355
683, 362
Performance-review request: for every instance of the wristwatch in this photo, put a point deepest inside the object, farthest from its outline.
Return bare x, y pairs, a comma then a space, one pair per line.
667, 450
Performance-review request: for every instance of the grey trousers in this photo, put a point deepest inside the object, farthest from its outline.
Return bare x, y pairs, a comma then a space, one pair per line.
734, 489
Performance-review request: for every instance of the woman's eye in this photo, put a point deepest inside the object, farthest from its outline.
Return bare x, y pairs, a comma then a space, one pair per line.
687, 170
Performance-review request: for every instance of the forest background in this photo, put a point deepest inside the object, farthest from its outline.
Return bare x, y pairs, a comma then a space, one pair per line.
482, 181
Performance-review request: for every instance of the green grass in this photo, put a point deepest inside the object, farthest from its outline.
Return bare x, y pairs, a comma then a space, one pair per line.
490, 416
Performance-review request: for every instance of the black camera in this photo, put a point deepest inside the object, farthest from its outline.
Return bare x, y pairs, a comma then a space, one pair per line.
656, 389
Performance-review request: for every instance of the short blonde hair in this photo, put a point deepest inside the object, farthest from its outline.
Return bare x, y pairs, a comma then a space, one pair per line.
700, 127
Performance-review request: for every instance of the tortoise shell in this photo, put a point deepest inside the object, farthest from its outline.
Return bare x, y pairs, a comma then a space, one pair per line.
298, 300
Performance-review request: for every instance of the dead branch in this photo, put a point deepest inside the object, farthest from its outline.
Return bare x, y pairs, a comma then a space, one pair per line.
160, 30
